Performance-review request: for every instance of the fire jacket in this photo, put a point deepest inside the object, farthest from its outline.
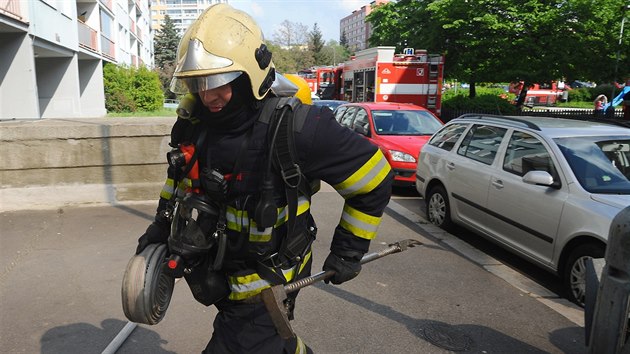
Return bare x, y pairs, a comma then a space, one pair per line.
327, 151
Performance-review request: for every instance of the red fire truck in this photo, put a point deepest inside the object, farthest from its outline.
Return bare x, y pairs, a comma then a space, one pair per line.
379, 75
540, 95
320, 78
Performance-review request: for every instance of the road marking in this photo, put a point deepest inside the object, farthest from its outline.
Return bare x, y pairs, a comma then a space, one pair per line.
562, 306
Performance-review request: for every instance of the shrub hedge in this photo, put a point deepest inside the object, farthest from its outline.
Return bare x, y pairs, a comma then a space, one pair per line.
129, 89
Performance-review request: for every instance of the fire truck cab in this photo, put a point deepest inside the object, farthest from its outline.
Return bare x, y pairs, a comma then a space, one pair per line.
321, 80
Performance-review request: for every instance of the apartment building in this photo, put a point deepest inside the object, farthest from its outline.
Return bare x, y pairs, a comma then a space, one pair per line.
358, 31
182, 12
52, 53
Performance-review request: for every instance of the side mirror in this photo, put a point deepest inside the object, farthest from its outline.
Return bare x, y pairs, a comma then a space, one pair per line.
540, 178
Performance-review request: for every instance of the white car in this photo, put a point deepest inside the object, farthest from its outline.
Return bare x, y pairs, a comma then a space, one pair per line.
546, 189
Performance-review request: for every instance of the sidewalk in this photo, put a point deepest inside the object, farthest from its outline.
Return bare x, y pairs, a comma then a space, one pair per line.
62, 271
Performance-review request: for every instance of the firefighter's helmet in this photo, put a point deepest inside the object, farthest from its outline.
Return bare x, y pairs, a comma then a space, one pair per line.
304, 92
222, 44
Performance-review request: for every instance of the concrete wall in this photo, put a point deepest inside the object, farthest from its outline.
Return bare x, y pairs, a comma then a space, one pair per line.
57, 162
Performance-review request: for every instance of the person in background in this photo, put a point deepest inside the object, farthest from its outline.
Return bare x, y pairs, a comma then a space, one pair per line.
600, 102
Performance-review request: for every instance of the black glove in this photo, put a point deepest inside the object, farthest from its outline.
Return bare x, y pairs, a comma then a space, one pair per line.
345, 268
156, 233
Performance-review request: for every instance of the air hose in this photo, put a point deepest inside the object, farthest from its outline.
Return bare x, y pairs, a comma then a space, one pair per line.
146, 289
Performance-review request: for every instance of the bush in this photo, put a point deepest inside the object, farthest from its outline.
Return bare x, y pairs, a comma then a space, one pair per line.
147, 93
581, 95
130, 89
487, 100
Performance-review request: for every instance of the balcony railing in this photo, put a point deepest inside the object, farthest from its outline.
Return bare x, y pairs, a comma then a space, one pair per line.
109, 4
108, 48
88, 37
11, 8
132, 26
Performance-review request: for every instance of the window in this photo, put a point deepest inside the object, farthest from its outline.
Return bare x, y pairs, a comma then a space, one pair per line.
601, 164
106, 25
346, 120
447, 137
361, 120
481, 143
526, 153
339, 112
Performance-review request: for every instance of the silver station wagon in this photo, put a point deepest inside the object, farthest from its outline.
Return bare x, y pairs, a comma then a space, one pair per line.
546, 189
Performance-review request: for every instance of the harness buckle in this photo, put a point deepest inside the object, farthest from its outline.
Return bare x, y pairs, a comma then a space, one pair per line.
292, 173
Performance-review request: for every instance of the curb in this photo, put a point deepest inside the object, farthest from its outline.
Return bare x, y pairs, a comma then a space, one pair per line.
562, 306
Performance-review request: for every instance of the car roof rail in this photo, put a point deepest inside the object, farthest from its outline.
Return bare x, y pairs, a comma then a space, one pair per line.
525, 122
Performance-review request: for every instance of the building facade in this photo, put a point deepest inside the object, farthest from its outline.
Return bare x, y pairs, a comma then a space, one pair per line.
182, 12
358, 31
52, 53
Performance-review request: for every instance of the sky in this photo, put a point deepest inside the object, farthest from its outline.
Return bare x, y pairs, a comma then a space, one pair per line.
326, 13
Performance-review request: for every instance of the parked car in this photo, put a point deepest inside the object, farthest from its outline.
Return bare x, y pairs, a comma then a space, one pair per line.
546, 189
332, 104
398, 129
582, 84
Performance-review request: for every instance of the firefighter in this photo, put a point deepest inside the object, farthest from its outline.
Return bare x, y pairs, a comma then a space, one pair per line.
226, 71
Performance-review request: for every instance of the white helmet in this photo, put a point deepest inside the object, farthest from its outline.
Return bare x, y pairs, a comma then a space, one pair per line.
222, 44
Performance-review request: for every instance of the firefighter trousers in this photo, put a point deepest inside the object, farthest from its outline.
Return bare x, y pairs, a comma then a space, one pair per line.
247, 328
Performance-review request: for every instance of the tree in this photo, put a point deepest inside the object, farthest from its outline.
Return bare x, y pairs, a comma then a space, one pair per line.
165, 46
343, 40
508, 40
333, 53
165, 43
316, 44
290, 34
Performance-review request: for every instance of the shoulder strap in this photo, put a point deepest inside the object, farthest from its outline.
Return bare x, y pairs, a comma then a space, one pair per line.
286, 157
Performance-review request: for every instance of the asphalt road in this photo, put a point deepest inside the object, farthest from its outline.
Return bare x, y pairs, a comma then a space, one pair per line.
61, 272
411, 200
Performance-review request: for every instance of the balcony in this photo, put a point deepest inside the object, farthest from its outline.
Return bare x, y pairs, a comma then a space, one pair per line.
12, 9
132, 26
108, 48
88, 37
109, 4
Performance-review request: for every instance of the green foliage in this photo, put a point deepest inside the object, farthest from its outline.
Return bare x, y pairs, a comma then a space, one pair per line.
164, 112
315, 43
118, 81
487, 100
506, 40
580, 95
165, 43
130, 89
147, 90
165, 51
343, 40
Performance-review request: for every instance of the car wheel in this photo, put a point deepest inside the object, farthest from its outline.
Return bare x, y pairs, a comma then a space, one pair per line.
575, 270
438, 208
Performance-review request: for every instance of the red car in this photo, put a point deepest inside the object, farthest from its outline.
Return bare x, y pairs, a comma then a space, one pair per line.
398, 129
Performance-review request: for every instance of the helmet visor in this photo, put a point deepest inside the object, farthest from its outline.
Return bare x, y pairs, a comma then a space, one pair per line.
195, 84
